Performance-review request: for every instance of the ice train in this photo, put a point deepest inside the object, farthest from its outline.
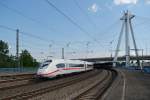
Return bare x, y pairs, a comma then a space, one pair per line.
54, 67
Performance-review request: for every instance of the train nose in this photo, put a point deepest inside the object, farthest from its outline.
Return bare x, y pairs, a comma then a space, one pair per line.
41, 71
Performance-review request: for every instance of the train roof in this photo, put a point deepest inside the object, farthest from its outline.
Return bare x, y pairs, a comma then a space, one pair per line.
68, 61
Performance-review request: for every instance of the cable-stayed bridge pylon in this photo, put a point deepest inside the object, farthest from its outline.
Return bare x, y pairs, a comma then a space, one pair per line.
128, 29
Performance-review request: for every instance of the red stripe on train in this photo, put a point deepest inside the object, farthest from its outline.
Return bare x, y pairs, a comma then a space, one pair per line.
72, 68
50, 72
62, 69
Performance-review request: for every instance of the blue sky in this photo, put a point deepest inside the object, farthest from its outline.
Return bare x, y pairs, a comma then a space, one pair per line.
100, 18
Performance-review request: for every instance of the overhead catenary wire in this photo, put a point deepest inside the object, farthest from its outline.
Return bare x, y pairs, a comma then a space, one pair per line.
143, 17
45, 40
145, 20
26, 33
36, 21
109, 28
29, 46
36, 45
71, 20
27, 17
86, 15
39, 38
7, 28
33, 36
91, 21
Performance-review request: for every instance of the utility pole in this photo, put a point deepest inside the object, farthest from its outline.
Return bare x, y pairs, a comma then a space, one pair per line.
17, 48
50, 49
146, 48
66, 49
87, 48
63, 53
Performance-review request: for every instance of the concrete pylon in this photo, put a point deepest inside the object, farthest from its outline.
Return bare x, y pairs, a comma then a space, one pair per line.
127, 25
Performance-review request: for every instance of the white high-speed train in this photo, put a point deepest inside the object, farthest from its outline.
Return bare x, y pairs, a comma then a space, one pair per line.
54, 67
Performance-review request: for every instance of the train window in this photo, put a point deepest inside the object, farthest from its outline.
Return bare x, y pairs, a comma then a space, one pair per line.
88, 66
46, 63
61, 65
76, 65
81, 65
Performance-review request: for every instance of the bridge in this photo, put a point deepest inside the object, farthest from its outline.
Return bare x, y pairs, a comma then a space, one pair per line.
122, 58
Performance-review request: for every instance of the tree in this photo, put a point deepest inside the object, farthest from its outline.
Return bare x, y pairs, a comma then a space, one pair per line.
3, 47
27, 60
4, 58
7, 60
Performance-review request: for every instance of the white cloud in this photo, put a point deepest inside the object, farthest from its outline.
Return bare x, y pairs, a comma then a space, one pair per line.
120, 2
147, 1
94, 8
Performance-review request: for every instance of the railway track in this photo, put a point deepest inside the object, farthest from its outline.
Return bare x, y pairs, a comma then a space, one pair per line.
12, 81
96, 91
60, 84
17, 77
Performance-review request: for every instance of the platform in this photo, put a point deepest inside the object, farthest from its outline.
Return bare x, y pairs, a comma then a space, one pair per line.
130, 85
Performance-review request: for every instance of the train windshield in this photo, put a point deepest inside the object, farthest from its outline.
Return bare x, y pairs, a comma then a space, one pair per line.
46, 63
